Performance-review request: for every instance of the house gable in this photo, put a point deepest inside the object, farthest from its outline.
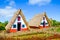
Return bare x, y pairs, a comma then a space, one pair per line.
17, 20
44, 22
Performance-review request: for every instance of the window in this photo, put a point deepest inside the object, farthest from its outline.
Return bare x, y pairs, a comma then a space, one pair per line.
23, 25
46, 23
41, 23
18, 18
14, 26
43, 18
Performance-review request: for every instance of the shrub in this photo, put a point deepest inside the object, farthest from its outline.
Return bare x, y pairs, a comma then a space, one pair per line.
2, 28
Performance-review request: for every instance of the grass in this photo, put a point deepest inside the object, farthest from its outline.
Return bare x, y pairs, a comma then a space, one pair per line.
58, 29
43, 36
56, 39
35, 36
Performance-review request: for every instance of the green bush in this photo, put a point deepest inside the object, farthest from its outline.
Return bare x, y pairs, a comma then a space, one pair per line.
55, 23
2, 28
2, 25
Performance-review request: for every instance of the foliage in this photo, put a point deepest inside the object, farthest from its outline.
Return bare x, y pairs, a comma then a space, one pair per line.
2, 25
2, 28
58, 29
55, 23
5, 23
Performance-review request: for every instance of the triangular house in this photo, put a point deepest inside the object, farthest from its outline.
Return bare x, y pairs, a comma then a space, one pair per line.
39, 21
17, 23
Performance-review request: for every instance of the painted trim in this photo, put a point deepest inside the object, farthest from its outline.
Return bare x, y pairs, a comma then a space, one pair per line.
13, 30
24, 29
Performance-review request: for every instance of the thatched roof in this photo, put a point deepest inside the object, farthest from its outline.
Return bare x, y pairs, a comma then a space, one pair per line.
19, 12
35, 21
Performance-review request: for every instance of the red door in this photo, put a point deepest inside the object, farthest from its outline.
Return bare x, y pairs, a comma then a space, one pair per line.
19, 26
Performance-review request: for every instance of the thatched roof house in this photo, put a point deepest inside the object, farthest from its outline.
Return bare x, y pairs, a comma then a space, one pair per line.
19, 12
36, 20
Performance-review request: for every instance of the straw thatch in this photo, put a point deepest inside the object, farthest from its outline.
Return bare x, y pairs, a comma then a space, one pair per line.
35, 21
19, 12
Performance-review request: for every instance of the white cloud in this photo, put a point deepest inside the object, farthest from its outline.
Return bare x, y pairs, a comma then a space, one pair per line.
9, 9
6, 13
39, 2
12, 3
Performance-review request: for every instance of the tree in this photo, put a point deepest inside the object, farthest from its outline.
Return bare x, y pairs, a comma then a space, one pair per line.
2, 28
55, 23
5, 23
2, 25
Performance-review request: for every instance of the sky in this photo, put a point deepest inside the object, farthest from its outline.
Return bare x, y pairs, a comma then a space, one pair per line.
29, 8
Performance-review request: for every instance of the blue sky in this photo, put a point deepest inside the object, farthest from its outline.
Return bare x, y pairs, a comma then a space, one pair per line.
29, 8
